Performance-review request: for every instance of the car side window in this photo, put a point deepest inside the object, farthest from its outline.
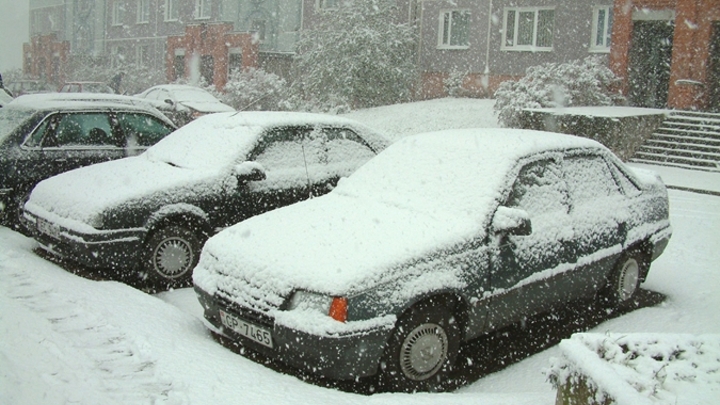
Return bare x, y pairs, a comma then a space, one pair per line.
35, 140
281, 148
589, 178
142, 129
84, 129
539, 189
627, 186
346, 150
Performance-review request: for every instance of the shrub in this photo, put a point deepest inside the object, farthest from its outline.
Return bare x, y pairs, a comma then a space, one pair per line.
579, 83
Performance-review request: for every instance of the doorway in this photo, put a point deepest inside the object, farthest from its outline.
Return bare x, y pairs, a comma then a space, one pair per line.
649, 64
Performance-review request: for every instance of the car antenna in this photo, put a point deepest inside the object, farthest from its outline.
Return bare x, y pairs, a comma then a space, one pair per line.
307, 174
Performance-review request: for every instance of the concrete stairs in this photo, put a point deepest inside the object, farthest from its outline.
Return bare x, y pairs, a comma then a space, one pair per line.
685, 139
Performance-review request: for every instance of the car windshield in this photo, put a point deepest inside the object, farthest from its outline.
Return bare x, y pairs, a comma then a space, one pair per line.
209, 142
11, 119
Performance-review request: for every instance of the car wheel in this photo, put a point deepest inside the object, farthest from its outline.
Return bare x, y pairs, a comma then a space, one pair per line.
624, 281
171, 254
422, 349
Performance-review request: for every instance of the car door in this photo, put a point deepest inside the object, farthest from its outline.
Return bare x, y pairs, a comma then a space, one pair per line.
521, 264
70, 140
599, 216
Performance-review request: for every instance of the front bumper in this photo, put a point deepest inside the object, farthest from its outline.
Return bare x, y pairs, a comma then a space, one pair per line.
116, 249
340, 357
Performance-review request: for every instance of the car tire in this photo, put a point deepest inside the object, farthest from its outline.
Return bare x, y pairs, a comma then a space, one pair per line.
624, 281
171, 253
422, 349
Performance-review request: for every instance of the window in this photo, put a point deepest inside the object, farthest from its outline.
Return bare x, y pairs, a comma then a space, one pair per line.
171, 11
328, 4
601, 29
142, 129
142, 55
453, 31
202, 9
84, 129
235, 59
589, 179
539, 189
179, 64
118, 13
143, 11
258, 26
529, 29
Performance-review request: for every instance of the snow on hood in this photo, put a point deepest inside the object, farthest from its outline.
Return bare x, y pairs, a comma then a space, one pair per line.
207, 107
83, 195
422, 194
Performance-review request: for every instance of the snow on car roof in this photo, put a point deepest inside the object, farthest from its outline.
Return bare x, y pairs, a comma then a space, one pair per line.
424, 193
65, 101
217, 139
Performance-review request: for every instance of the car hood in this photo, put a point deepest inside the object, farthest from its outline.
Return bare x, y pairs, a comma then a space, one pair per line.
80, 198
207, 107
335, 244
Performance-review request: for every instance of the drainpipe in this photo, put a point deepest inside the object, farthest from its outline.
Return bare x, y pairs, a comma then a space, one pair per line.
487, 45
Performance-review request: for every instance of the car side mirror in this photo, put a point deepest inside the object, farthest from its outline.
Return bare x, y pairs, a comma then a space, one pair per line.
249, 171
168, 101
511, 221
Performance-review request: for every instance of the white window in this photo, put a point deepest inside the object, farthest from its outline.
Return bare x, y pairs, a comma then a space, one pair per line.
171, 11
258, 26
202, 9
118, 13
143, 11
454, 28
529, 29
601, 29
328, 4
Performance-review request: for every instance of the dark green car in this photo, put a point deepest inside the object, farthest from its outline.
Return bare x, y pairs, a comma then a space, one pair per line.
441, 238
150, 215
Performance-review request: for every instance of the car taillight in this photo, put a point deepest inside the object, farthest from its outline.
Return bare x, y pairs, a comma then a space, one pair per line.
338, 309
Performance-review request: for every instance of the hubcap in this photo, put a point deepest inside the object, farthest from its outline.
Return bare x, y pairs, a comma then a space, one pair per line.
629, 279
173, 257
423, 351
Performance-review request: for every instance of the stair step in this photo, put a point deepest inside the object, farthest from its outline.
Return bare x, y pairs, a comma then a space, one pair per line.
690, 136
675, 145
658, 157
674, 164
679, 152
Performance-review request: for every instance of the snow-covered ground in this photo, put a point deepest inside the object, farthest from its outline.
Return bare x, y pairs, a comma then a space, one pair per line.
68, 340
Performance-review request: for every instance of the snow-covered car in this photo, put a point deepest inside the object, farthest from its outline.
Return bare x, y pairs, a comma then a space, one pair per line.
5, 97
441, 238
184, 103
42, 135
151, 214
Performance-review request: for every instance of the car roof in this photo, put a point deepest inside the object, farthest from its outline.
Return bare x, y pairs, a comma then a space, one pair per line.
76, 101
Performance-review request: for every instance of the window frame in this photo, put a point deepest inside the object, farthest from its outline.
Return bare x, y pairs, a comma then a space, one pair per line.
607, 29
447, 15
323, 4
533, 47
143, 12
117, 14
203, 9
171, 11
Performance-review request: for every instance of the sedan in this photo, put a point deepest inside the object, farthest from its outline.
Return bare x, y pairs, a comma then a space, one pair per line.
183, 103
45, 134
150, 215
441, 238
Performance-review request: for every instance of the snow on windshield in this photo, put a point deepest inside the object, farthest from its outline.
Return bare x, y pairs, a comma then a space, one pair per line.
210, 142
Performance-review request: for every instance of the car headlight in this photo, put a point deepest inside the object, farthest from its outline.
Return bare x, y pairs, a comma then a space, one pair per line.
334, 307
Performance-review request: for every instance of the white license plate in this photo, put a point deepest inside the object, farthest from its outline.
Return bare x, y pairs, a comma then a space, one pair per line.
48, 228
249, 330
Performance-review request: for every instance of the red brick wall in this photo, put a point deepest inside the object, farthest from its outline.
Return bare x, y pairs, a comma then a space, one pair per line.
45, 57
212, 40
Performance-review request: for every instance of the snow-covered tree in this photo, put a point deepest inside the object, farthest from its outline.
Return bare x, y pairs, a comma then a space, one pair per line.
356, 56
254, 89
579, 83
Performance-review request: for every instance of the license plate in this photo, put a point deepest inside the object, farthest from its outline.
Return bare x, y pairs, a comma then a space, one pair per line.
48, 228
247, 329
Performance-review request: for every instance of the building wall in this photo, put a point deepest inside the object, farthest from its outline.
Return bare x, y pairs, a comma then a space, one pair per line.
485, 60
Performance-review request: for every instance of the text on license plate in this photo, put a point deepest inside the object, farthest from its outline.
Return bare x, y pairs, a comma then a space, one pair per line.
249, 330
48, 228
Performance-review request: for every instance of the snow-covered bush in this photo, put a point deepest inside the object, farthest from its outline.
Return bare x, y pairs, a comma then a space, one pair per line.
585, 82
637, 369
255, 89
357, 56
453, 83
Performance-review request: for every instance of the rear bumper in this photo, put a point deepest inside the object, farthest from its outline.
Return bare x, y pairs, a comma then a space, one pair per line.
340, 357
116, 249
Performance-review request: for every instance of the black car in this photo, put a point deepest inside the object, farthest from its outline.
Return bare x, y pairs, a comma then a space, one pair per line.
441, 238
46, 134
151, 214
